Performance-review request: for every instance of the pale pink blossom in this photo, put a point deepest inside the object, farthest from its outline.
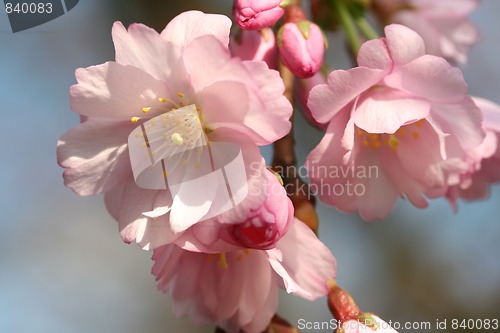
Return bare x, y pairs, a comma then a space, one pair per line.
238, 101
238, 290
444, 25
485, 158
257, 14
366, 323
302, 47
256, 46
400, 125
304, 87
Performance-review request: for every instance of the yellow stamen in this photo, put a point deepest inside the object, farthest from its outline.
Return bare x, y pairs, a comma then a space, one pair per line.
162, 100
145, 110
135, 119
375, 144
331, 283
181, 95
177, 139
393, 142
223, 261
415, 135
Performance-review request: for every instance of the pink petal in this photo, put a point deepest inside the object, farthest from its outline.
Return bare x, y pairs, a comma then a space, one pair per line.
463, 120
491, 113
277, 109
242, 112
192, 203
343, 87
386, 110
307, 263
377, 195
133, 225
430, 169
142, 47
115, 91
208, 61
96, 156
402, 181
187, 26
404, 44
374, 54
432, 78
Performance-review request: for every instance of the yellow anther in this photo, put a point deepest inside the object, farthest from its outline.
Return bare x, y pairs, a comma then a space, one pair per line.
415, 135
359, 132
366, 143
162, 100
223, 260
331, 283
181, 95
165, 173
375, 144
197, 165
146, 109
247, 251
135, 119
177, 139
393, 142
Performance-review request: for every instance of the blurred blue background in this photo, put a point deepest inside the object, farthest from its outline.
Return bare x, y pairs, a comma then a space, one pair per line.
64, 268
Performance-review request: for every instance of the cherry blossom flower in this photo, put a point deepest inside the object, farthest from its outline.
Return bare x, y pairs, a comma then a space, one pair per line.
443, 24
400, 124
256, 46
485, 158
188, 64
258, 14
239, 289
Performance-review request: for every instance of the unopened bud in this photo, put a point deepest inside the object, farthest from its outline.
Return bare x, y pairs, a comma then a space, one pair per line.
302, 47
258, 14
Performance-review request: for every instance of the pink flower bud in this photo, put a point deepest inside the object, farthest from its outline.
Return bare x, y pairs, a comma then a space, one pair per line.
303, 89
257, 14
302, 47
265, 226
255, 46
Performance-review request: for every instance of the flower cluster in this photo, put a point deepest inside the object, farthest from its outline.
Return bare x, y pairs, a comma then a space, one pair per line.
171, 132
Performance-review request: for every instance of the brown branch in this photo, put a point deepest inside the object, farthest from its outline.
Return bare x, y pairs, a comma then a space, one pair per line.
285, 163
